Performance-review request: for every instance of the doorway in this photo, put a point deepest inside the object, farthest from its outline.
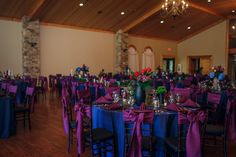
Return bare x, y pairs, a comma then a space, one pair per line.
201, 64
232, 66
169, 64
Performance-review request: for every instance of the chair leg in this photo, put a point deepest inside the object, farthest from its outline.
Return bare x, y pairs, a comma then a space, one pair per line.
68, 142
29, 121
113, 148
225, 147
24, 121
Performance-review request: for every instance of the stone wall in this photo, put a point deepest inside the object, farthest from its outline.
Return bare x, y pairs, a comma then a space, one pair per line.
30, 47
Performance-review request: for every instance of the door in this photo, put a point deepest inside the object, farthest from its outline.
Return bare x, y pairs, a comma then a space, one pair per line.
200, 64
205, 63
169, 64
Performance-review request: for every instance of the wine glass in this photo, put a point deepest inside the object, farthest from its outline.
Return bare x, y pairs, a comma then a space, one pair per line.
178, 98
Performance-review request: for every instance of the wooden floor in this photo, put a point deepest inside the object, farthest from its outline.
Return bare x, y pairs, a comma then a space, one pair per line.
47, 138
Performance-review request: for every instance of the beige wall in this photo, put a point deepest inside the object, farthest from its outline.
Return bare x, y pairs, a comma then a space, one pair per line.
63, 49
10, 46
210, 42
160, 48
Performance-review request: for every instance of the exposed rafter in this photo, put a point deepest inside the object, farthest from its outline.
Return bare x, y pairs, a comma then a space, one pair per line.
142, 18
35, 8
206, 10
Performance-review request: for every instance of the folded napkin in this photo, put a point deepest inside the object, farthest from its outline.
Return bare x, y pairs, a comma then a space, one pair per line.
172, 107
108, 97
189, 103
114, 106
103, 100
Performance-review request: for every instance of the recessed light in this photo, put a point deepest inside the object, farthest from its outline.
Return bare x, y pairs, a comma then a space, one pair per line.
233, 11
122, 13
209, 1
189, 28
233, 27
161, 21
81, 4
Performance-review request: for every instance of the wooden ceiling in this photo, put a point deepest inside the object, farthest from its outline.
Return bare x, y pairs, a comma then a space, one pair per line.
142, 17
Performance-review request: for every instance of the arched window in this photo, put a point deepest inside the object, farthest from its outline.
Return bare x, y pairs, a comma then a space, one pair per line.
148, 58
133, 62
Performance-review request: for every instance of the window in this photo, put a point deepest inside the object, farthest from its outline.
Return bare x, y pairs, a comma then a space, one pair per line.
148, 58
133, 61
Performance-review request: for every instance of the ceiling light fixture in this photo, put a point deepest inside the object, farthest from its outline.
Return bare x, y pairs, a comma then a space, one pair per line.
174, 7
122, 13
209, 1
162, 21
233, 11
81, 4
233, 27
189, 28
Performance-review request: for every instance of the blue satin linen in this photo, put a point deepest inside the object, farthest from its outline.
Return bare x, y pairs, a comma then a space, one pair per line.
165, 125
7, 124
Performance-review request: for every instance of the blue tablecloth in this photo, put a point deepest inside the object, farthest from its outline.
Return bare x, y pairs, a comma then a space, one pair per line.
7, 123
165, 125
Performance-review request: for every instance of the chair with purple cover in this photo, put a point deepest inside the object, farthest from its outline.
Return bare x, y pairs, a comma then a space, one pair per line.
3, 86
186, 92
213, 106
68, 122
12, 93
100, 140
218, 131
84, 95
139, 137
42, 86
22, 112
188, 142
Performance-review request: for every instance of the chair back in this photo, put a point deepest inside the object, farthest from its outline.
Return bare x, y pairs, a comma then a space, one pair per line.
186, 92
65, 110
213, 99
29, 94
138, 124
84, 96
190, 131
12, 89
3, 86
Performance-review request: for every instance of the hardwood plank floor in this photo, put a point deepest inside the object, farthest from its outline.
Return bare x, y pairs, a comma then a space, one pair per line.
47, 138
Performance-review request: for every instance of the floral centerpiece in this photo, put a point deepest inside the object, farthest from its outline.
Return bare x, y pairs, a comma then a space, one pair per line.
143, 84
143, 78
217, 72
160, 91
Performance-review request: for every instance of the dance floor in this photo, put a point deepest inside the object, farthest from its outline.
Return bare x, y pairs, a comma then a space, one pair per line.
47, 138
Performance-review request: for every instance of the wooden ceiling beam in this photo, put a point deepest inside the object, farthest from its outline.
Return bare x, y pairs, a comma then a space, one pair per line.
34, 9
206, 10
142, 18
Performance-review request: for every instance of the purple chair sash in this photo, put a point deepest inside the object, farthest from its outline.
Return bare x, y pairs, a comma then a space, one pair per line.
82, 111
231, 110
193, 138
65, 104
137, 118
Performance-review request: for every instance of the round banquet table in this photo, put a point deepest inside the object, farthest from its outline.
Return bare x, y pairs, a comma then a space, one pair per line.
165, 125
7, 124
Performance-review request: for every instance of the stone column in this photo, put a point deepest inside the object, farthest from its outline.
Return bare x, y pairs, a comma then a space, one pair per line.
30, 47
121, 42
